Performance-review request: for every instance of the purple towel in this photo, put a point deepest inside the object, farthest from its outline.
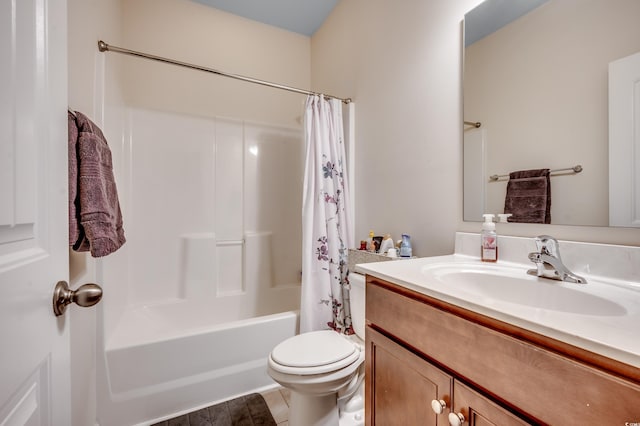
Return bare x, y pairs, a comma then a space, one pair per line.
95, 219
528, 196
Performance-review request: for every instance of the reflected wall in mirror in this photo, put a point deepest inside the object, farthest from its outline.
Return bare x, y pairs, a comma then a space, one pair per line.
539, 86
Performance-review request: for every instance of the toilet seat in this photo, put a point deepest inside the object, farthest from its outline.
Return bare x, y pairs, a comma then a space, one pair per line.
316, 352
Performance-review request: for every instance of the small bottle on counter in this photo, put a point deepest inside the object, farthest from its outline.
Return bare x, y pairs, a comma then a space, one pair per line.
377, 242
405, 246
488, 240
370, 244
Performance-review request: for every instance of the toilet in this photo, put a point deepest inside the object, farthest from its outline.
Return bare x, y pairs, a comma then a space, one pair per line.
324, 370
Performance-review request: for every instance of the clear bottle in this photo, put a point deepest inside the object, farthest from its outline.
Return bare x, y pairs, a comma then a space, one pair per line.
405, 246
488, 240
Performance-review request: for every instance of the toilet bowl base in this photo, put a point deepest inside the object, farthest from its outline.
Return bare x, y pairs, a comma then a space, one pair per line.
325, 410
351, 410
309, 410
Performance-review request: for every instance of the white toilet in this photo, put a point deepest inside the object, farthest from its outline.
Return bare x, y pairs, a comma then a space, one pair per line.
324, 370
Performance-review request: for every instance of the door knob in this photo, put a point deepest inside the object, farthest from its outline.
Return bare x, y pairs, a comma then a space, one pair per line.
86, 295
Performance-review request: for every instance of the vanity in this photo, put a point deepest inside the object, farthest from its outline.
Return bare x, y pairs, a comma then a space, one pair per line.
453, 340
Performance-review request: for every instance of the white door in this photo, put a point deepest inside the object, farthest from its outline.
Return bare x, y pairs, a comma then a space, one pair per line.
34, 344
624, 142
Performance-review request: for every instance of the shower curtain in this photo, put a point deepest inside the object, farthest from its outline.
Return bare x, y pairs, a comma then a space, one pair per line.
325, 220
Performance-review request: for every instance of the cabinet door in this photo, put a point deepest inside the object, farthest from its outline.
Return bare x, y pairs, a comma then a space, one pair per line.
400, 386
478, 410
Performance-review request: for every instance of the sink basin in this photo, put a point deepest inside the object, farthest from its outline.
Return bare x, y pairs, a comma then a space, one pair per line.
507, 284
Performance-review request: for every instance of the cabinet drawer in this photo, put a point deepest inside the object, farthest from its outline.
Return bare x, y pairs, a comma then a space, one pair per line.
541, 384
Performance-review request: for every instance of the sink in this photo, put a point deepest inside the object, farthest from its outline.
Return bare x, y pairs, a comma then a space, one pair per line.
509, 284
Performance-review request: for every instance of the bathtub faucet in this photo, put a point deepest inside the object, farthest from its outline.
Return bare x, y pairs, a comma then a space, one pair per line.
548, 262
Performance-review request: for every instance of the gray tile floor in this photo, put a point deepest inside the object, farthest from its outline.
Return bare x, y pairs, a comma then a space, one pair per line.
243, 411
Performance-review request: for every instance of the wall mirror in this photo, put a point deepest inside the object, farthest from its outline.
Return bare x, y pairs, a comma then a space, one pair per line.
536, 76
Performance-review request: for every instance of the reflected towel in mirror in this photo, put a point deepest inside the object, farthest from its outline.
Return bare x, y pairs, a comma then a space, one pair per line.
528, 196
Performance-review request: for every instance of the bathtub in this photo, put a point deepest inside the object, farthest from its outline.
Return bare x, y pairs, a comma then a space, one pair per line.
169, 359
207, 283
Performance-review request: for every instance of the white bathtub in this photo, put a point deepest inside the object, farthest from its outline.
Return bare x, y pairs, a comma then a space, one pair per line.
209, 280
169, 359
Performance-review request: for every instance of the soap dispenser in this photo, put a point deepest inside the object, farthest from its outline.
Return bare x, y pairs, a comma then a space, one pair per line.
504, 217
488, 240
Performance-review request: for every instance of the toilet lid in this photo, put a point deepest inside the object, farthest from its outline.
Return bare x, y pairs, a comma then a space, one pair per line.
313, 349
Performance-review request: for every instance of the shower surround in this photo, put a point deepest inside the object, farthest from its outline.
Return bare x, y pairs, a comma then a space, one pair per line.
209, 280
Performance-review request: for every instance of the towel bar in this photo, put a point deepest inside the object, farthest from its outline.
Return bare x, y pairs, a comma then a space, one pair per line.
575, 169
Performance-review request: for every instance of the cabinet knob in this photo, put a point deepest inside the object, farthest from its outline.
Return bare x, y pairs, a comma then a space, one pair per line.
456, 419
438, 406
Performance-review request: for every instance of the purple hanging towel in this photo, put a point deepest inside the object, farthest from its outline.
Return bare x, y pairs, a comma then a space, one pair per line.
95, 219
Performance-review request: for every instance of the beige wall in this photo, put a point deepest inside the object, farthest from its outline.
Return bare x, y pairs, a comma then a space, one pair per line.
89, 21
401, 63
542, 98
190, 32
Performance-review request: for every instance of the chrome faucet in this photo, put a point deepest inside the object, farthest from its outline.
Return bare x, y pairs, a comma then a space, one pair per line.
548, 262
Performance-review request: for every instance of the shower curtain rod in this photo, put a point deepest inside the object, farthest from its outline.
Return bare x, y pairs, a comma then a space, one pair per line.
104, 47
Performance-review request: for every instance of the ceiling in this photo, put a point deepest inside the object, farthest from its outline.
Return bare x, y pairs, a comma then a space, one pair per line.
491, 15
300, 16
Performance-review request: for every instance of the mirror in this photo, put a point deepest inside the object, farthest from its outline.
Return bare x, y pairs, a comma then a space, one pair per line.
537, 80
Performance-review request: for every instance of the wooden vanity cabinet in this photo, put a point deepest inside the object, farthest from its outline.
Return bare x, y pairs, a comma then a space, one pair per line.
402, 387
420, 349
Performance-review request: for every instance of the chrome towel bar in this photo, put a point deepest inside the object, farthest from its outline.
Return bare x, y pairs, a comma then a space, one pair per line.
575, 169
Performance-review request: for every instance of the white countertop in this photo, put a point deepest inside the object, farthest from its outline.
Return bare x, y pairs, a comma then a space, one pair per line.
616, 335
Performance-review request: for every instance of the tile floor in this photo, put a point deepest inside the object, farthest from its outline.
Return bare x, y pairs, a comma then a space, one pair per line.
247, 410
278, 402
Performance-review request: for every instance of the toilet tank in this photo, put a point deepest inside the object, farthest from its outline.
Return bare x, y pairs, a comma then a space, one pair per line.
356, 297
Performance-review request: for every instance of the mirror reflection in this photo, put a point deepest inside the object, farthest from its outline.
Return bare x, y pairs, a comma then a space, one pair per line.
537, 79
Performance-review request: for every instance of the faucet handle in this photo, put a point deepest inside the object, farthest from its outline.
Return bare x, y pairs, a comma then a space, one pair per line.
548, 245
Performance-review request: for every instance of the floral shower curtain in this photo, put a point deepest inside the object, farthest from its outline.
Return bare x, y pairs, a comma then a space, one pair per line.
326, 220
